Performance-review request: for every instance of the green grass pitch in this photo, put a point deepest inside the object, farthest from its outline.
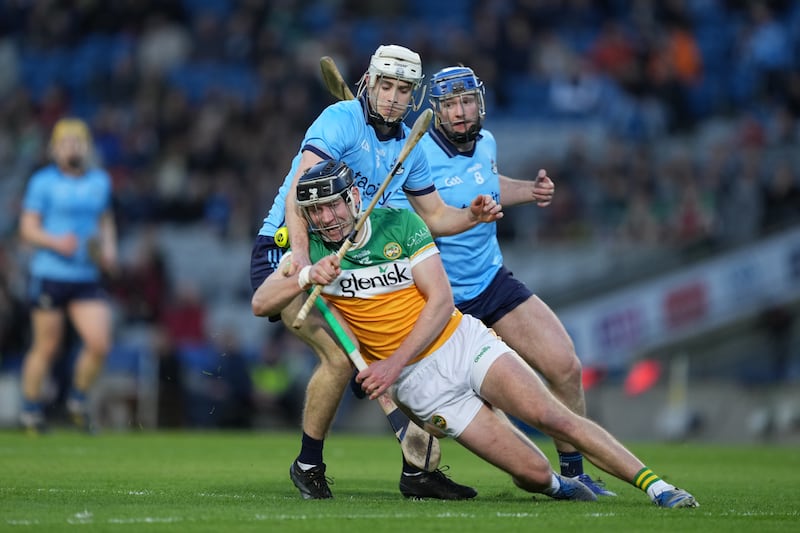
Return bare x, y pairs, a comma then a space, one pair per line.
221, 482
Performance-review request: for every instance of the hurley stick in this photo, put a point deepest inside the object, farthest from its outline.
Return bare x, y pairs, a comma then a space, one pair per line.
333, 79
419, 447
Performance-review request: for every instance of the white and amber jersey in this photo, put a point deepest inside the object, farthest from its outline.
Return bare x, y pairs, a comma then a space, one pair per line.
376, 292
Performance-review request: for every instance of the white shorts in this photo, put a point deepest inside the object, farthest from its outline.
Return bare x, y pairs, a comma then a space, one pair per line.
444, 388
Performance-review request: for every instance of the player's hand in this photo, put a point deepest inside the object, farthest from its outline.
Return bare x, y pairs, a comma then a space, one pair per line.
543, 189
297, 260
65, 245
484, 209
325, 270
378, 377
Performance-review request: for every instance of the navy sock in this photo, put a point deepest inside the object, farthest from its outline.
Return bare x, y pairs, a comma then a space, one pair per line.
31, 406
409, 469
77, 395
310, 450
571, 463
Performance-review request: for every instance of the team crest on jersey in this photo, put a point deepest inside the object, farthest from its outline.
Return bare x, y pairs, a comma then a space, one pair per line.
439, 422
494, 166
392, 250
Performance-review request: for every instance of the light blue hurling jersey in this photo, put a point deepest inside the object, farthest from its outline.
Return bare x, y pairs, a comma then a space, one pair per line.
67, 204
342, 132
471, 258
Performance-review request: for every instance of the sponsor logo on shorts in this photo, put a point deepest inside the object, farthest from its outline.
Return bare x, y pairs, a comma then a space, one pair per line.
439, 421
480, 354
392, 250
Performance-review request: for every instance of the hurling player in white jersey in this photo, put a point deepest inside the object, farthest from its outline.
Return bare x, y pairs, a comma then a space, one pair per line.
447, 368
368, 134
463, 160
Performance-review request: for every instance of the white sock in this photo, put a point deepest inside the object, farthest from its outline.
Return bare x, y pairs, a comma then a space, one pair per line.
304, 467
657, 488
555, 484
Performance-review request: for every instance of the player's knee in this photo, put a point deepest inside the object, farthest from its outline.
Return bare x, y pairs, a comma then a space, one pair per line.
44, 351
573, 370
566, 371
335, 363
97, 348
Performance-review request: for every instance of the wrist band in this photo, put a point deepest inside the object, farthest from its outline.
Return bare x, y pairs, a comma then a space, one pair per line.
303, 278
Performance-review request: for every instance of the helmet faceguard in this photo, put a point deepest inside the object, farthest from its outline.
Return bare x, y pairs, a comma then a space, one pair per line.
398, 63
325, 183
70, 144
457, 82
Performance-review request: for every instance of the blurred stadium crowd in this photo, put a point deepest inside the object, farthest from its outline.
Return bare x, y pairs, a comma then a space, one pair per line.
197, 107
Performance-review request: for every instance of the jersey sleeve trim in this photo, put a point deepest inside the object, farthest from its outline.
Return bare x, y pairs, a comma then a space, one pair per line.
420, 192
313, 149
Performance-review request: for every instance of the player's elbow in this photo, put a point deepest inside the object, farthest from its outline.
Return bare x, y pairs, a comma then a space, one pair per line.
261, 306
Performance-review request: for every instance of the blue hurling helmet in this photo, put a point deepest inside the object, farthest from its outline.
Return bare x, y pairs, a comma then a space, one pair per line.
453, 82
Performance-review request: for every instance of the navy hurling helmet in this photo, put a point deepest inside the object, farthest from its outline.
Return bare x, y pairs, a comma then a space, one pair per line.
322, 184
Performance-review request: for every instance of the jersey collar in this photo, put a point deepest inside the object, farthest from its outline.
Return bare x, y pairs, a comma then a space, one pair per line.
447, 146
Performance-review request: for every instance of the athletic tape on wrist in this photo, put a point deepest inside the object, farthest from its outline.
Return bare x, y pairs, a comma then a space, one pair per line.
304, 277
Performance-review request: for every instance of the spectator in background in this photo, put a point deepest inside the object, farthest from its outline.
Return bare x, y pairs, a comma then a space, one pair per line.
184, 318
639, 223
67, 218
280, 376
146, 281
781, 198
13, 324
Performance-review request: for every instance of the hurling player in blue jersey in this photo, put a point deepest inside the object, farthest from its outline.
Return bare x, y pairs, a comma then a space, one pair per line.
367, 133
67, 218
463, 160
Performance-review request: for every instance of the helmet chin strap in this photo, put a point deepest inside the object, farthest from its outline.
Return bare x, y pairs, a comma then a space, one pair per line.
378, 120
461, 138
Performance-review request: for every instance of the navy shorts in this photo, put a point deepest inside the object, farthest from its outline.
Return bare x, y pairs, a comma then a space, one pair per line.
264, 260
45, 293
502, 296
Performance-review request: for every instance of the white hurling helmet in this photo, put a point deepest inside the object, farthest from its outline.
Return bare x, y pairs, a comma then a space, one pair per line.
397, 62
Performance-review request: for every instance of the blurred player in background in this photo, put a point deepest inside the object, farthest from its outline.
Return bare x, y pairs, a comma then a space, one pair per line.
368, 134
67, 218
463, 160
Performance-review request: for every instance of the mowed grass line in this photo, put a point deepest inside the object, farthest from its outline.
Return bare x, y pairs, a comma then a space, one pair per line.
189, 481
